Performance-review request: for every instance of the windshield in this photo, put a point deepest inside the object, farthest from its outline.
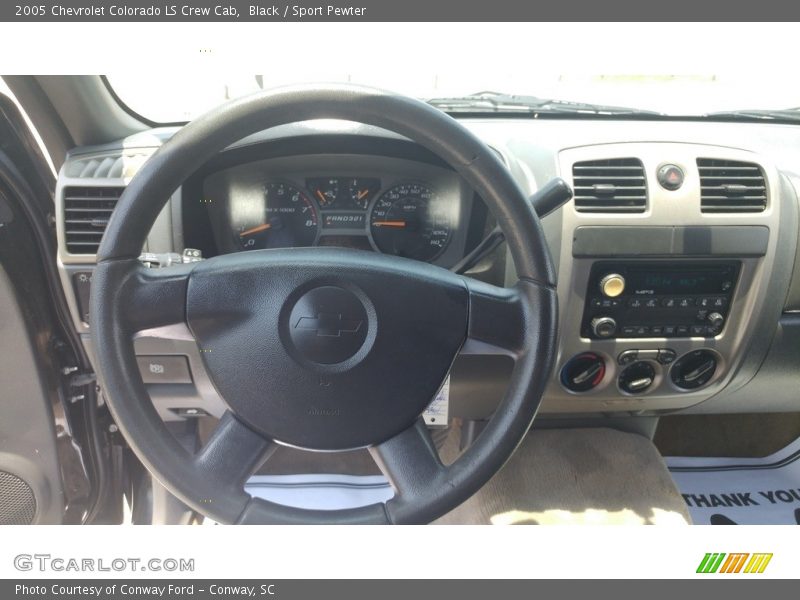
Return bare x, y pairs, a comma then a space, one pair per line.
677, 70
176, 98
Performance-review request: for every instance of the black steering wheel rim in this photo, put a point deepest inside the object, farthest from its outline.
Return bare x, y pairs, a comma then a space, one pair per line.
127, 298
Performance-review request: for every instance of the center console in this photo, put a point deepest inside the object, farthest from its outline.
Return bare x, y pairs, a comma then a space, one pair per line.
659, 277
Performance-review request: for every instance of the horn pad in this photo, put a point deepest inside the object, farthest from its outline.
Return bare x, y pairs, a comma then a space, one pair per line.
327, 350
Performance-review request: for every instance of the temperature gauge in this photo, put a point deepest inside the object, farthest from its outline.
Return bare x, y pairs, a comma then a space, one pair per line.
325, 191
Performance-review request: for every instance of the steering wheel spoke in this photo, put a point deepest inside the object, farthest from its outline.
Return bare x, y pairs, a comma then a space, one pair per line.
410, 462
497, 319
233, 452
150, 298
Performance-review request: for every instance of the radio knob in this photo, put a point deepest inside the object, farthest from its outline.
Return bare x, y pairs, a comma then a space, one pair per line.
612, 285
715, 321
603, 327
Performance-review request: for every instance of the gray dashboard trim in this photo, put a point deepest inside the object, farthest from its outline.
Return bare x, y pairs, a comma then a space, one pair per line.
717, 240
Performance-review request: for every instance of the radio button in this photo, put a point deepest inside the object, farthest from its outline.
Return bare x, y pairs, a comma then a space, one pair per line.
669, 330
651, 303
669, 302
703, 302
612, 285
657, 330
629, 331
635, 303
682, 330
642, 330
605, 302
685, 302
666, 356
719, 302
699, 330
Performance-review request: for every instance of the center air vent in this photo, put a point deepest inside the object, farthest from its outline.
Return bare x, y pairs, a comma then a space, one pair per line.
729, 186
610, 186
86, 214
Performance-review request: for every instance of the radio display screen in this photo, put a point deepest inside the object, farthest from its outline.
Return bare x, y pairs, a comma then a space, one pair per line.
679, 281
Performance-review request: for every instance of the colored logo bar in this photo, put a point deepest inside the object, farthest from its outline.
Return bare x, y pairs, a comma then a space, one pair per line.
737, 562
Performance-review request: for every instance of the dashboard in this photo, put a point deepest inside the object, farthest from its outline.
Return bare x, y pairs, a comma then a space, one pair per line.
677, 284
400, 207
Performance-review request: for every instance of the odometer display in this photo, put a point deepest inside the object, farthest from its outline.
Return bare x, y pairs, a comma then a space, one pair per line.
411, 221
284, 218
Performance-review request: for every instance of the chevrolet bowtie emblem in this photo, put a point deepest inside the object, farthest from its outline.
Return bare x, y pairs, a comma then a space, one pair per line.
329, 325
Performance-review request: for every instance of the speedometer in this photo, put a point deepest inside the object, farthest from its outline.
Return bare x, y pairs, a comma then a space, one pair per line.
283, 218
410, 220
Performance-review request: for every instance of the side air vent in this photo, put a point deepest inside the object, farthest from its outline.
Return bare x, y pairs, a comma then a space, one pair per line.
610, 186
730, 186
106, 167
86, 214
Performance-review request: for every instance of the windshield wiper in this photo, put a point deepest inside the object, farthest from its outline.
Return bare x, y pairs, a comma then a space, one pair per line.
495, 102
788, 114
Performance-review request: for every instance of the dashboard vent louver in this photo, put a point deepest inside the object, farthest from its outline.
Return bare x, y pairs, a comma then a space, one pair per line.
730, 186
106, 166
86, 214
614, 185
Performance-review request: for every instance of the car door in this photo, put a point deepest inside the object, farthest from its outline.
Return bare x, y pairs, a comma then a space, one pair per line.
50, 463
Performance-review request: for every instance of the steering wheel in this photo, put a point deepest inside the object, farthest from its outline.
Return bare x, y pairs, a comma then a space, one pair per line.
321, 348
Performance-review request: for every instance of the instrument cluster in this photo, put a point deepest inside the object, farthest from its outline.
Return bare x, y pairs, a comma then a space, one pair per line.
410, 219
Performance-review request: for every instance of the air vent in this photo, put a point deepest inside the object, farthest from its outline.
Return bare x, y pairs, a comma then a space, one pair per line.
610, 186
729, 186
106, 167
86, 214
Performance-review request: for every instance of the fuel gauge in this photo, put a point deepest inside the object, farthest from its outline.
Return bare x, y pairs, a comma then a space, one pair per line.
361, 190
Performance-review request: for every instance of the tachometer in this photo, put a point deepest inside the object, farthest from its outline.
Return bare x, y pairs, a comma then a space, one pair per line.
410, 220
284, 218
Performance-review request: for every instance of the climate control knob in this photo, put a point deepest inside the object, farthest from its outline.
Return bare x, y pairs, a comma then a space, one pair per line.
583, 372
612, 285
694, 370
603, 327
637, 378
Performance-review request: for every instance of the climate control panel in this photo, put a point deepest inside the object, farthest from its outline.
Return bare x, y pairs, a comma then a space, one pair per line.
658, 299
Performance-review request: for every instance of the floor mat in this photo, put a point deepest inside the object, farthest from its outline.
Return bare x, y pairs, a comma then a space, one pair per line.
741, 491
578, 476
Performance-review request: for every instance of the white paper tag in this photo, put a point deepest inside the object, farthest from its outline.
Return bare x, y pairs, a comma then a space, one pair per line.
436, 414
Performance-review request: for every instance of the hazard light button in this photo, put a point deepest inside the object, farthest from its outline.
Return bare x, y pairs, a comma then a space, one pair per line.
670, 177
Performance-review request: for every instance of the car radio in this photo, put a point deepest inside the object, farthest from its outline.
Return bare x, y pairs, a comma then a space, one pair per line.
658, 299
